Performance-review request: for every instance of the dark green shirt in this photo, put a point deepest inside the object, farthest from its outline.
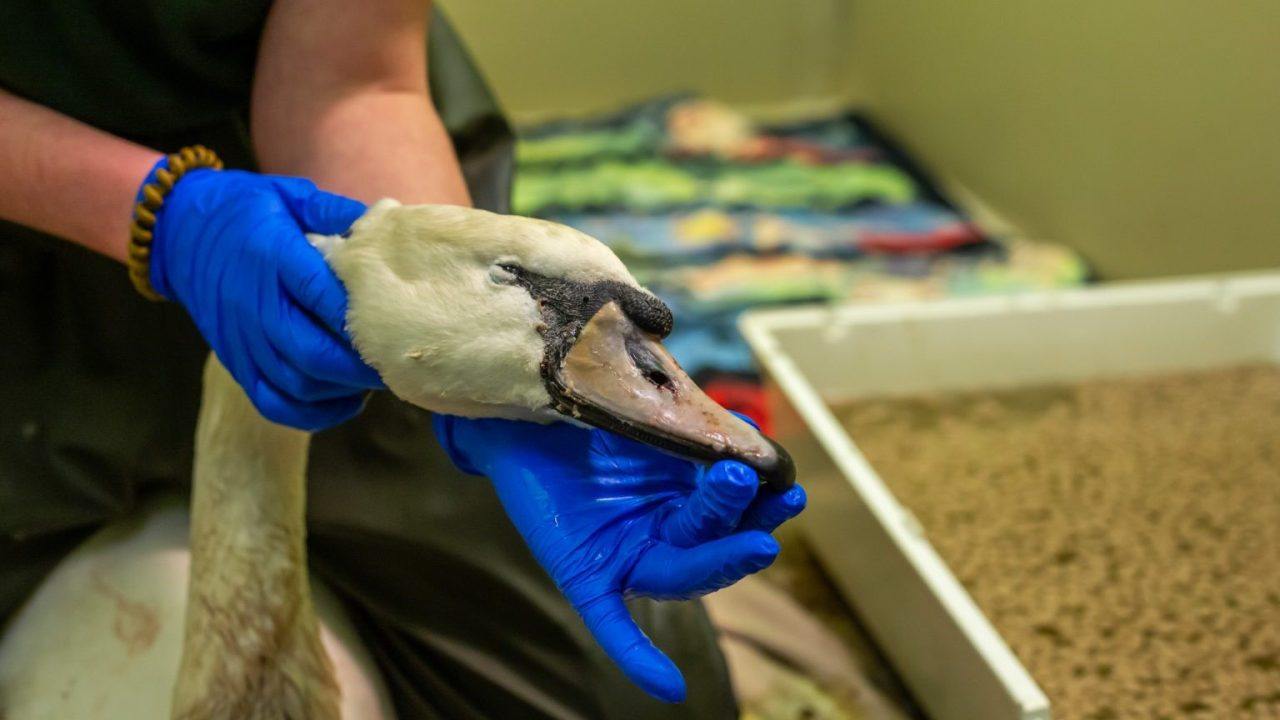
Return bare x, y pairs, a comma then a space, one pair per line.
99, 391
98, 387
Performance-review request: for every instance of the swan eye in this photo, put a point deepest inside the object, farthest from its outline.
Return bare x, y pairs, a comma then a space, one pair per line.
505, 273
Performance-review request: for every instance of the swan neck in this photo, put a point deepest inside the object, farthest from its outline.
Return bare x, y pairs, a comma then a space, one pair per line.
251, 637
249, 484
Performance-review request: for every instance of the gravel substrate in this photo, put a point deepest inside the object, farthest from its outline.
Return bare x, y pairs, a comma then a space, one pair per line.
1122, 535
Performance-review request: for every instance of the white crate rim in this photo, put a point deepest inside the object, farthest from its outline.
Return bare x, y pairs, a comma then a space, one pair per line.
758, 328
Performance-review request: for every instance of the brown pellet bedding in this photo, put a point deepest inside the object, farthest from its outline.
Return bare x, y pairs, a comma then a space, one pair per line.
1122, 535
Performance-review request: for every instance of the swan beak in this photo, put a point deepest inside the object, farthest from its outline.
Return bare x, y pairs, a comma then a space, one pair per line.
619, 377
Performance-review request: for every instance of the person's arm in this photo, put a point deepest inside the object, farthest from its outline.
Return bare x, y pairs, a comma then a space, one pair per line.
68, 179
229, 246
340, 97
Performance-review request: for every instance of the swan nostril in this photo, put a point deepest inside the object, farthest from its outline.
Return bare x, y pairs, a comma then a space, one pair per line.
649, 365
658, 378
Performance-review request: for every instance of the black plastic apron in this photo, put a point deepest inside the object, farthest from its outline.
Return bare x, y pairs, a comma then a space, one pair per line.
99, 391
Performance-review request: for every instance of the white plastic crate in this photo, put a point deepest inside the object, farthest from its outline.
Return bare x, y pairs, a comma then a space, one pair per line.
949, 654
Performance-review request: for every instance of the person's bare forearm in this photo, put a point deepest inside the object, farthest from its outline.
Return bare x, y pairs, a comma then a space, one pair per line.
341, 97
66, 178
367, 146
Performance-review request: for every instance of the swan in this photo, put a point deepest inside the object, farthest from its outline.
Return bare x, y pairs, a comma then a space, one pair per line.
460, 311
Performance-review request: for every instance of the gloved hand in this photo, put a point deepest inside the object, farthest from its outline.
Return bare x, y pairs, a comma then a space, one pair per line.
609, 518
231, 247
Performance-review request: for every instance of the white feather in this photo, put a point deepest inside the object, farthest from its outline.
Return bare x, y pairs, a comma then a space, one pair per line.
430, 312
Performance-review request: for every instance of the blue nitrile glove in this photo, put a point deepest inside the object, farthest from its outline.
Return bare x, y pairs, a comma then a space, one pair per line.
609, 518
230, 246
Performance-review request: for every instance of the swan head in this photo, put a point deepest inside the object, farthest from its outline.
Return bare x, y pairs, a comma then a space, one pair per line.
473, 313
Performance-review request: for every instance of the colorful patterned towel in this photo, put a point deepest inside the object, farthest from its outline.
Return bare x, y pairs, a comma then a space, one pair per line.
717, 215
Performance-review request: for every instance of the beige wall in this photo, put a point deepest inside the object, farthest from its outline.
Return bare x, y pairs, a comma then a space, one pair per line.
557, 57
1145, 133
